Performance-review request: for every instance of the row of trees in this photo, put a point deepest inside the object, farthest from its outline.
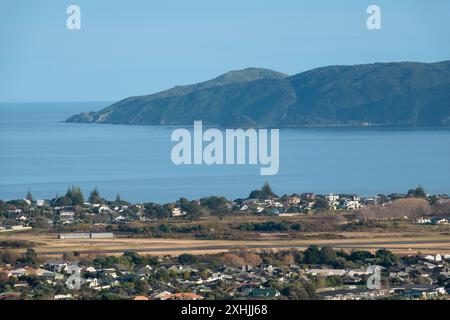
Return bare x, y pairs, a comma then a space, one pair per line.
74, 196
398, 209
313, 255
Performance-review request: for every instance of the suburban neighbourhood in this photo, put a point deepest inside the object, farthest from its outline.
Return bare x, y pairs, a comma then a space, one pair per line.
315, 272
72, 209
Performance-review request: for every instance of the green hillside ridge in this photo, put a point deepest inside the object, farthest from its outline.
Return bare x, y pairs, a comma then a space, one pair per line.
406, 94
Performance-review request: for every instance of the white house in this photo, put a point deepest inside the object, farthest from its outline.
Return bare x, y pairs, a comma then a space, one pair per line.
177, 212
423, 220
328, 272
352, 205
40, 203
332, 197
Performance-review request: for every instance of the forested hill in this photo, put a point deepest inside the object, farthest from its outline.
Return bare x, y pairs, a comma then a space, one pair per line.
412, 94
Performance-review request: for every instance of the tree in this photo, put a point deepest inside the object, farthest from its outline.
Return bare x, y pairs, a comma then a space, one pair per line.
192, 208
29, 196
217, 205
30, 257
187, 259
153, 210
252, 259
311, 255
68, 256
398, 209
4, 279
360, 256
233, 259
385, 258
327, 255
334, 281
295, 291
40, 223
321, 204
95, 197
418, 192
264, 193
133, 258
64, 201
8, 257
76, 195
288, 259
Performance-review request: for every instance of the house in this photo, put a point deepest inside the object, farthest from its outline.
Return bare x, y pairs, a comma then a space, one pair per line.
41, 203
353, 294
418, 291
47, 274
66, 216
56, 266
423, 220
327, 272
332, 197
359, 272
181, 268
19, 228
119, 219
352, 205
294, 200
17, 272
39, 272
177, 212
22, 219
21, 284
264, 293
63, 296
14, 210
90, 269
440, 221
371, 201
91, 282
103, 209
181, 296
309, 196
164, 295
246, 288
430, 265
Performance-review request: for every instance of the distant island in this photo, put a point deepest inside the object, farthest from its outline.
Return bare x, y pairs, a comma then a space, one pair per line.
388, 94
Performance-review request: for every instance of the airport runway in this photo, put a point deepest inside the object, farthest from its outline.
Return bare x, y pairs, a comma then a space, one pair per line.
442, 245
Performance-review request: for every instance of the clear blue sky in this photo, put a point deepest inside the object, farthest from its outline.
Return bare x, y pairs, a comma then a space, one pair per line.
137, 47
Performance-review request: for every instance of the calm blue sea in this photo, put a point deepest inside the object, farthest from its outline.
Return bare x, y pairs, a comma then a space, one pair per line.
40, 153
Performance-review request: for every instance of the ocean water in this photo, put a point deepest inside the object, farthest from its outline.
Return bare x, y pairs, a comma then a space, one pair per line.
40, 153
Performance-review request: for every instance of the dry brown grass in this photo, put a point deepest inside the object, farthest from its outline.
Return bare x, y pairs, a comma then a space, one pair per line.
430, 243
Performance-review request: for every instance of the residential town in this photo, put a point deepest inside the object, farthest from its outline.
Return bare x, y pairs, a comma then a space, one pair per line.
316, 273
312, 272
72, 209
